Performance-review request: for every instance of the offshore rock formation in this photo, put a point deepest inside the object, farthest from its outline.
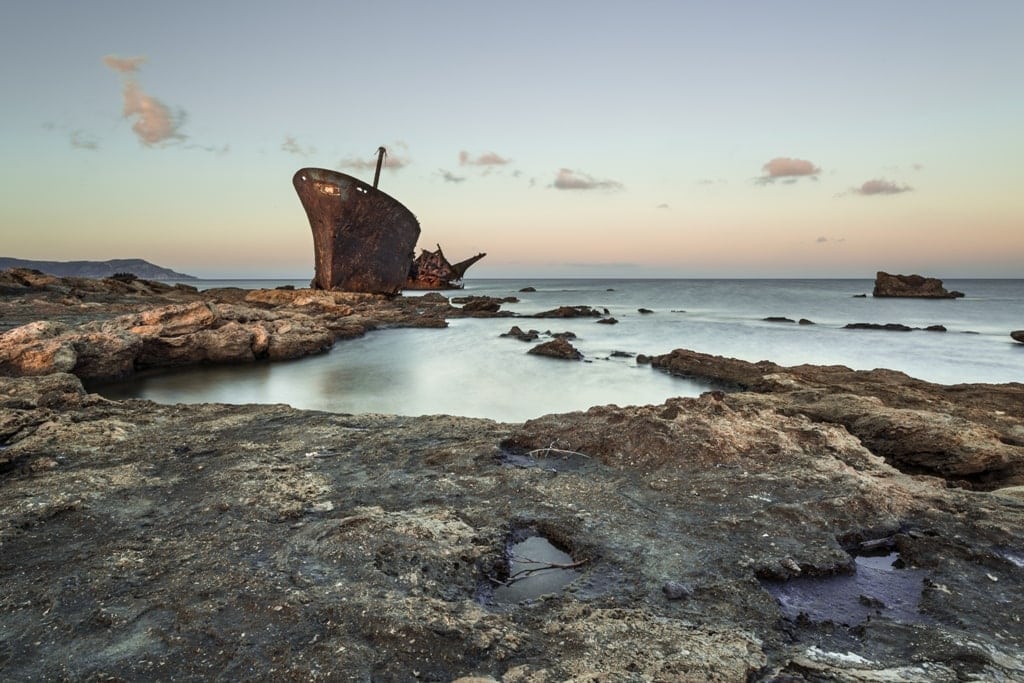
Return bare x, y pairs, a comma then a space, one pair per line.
914, 286
1018, 335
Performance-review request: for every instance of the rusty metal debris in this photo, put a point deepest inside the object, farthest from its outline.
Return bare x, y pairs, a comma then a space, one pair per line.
363, 239
431, 270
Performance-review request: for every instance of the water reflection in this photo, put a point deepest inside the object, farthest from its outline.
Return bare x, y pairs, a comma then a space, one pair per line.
466, 369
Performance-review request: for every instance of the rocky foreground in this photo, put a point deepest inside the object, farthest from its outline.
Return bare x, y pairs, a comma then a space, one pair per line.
803, 523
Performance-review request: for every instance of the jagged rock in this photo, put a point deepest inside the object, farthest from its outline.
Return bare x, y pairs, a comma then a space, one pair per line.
950, 432
556, 348
914, 286
518, 333
568, 312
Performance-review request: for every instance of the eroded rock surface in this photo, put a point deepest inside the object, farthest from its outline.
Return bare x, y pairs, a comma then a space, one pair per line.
215, 541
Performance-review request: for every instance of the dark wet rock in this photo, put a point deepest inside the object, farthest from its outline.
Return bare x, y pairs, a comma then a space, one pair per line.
676, 590
778, 319
805, 321
475, 298
568, 312
913, 286
643, 359
561, 335
622, 354
643, 311
519, 334
890, 327
557, 348
608, 321
860, 296
528, 289
935, 328
1018, 335
479, 306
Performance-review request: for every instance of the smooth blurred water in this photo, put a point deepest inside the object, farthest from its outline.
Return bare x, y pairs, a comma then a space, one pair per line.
469, 369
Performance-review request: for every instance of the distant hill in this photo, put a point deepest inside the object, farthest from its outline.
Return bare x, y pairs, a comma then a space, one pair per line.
97, 269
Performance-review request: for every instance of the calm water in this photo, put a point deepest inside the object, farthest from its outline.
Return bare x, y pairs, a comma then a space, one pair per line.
468, 369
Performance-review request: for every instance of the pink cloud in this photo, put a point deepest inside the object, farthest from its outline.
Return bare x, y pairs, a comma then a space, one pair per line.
785, 168
392, 160
873, 187
125, 65
574, 180
154, 120
485, 159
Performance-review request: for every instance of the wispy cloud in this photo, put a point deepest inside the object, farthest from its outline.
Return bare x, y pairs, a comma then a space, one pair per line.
575, 180
292, 146
786, 169
396, 157
878, 186
830, 240
485, 159
154, 122
82, 140
450, 177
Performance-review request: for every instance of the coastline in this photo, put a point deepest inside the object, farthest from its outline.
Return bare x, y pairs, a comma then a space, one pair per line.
145, 540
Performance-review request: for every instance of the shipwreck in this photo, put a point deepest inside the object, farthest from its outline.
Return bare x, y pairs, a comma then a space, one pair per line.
364, 239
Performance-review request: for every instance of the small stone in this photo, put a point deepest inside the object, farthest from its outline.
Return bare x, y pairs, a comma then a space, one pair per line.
676, 590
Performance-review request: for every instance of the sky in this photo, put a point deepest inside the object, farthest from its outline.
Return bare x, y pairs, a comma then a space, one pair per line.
564, 139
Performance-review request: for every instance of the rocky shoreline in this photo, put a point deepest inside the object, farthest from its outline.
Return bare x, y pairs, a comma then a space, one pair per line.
802, 523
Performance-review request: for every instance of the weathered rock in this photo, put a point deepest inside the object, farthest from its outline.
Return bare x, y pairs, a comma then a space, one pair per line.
556, 348
917, 426
914, 286
1018, 335
568, 312
519, 334
356, 546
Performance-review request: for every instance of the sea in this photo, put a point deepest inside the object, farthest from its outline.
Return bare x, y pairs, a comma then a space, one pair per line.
469, 369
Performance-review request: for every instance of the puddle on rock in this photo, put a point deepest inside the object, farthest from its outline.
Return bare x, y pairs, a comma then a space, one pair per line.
535, 568
878, 589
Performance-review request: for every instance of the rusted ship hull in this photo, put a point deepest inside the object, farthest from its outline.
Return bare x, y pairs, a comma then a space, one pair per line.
363, 239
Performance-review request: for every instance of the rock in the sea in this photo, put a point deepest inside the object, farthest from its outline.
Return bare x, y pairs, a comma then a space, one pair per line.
890, 327
1018, 335
915, 286
778, 319
557, 348
519, 334
608, 321
569, 312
